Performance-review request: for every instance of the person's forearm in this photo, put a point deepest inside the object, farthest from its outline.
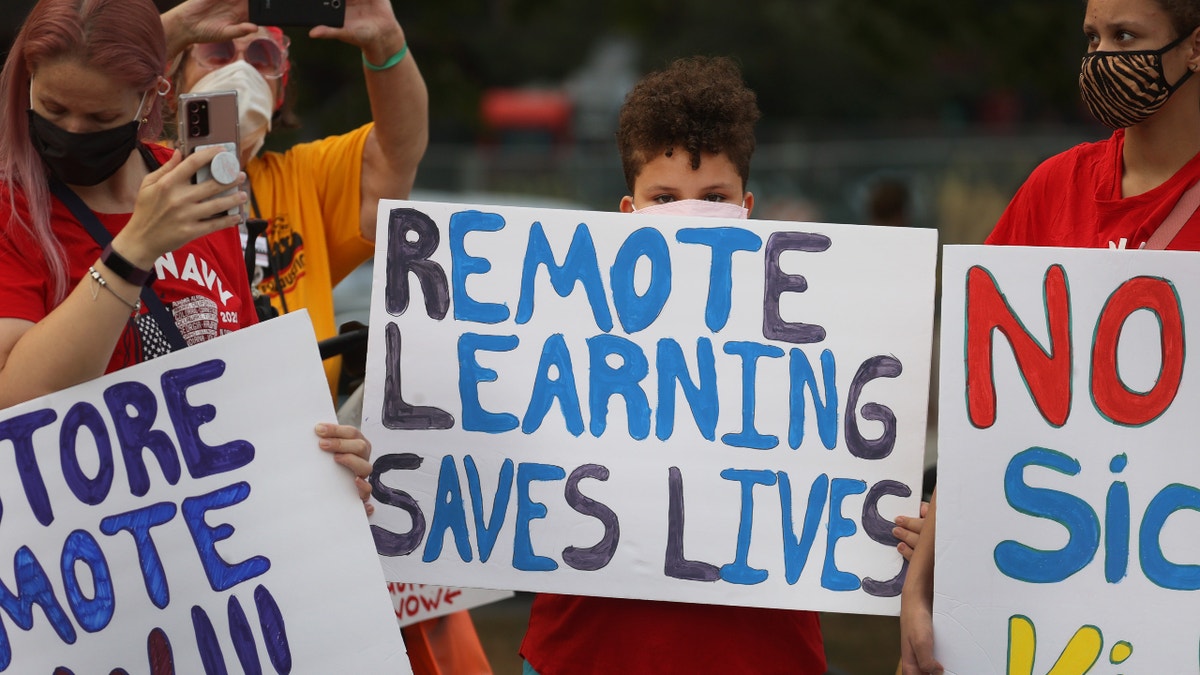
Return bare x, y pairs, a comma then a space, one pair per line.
72, 344
916, 604
918, 584
400, 109
176, 31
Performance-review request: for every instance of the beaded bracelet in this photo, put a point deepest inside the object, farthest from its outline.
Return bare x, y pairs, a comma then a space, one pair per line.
396, 58
98, 282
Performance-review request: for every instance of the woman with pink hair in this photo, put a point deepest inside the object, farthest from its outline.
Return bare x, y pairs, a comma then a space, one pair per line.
109, 253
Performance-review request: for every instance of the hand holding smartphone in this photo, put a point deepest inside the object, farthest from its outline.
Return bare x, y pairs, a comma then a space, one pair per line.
298, 13
206, 120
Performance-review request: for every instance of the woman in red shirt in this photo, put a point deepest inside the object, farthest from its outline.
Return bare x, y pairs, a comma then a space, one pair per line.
1136, 78
91, 214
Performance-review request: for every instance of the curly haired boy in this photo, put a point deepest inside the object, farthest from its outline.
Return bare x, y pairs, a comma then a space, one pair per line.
686, 134
698, 106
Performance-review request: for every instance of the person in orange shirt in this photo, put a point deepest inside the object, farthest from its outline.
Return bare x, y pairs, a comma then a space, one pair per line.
319, 199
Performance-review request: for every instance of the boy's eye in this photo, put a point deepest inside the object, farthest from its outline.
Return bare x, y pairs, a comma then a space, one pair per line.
714, 197
664, 199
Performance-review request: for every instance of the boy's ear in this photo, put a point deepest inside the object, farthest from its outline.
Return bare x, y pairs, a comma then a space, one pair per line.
626, 204
748, 203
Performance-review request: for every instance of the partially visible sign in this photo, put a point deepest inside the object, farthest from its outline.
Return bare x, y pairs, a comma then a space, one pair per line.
671, 408
1068, 482
418, 602
172, 518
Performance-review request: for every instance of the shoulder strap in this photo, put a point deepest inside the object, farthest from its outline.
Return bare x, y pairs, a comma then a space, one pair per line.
272, 267
154, 305
148, 157
1175, 220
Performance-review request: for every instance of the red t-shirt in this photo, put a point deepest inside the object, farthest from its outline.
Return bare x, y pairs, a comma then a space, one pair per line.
1074, 199
203, 283
586, 635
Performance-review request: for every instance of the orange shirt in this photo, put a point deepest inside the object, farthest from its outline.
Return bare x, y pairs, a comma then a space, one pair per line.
311, 197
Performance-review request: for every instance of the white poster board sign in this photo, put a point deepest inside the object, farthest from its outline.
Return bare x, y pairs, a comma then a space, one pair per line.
689, 409
178, 517
1067, 516
417, 602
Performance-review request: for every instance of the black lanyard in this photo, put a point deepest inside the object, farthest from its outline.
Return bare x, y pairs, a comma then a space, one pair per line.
256, 227
89, 221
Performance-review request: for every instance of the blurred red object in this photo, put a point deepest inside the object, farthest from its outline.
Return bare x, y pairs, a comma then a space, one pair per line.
539, 110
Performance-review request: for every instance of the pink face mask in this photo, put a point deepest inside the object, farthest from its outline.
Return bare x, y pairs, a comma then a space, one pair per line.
697, 207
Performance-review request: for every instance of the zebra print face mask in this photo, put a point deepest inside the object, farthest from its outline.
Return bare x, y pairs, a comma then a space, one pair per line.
1122, 89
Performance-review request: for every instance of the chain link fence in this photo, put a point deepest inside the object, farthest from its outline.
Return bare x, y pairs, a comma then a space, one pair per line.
959, 185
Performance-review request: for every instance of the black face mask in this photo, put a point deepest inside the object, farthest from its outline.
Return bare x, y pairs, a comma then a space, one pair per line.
82, 159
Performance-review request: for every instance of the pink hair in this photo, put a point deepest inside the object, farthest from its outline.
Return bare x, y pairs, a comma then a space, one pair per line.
123, 38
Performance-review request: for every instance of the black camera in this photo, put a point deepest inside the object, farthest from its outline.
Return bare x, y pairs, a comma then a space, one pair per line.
298, 13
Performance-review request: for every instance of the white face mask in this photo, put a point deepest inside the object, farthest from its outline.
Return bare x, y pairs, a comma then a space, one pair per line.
697, 207
255, 100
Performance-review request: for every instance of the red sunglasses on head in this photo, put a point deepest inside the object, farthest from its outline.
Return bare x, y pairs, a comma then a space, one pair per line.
264, 54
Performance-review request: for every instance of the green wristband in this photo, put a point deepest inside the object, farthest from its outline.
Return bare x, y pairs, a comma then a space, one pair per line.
396, 58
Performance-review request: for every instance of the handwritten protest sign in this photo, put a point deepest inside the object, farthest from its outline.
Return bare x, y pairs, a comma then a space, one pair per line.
1067, 509
417, 602
178, 517
690, 409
